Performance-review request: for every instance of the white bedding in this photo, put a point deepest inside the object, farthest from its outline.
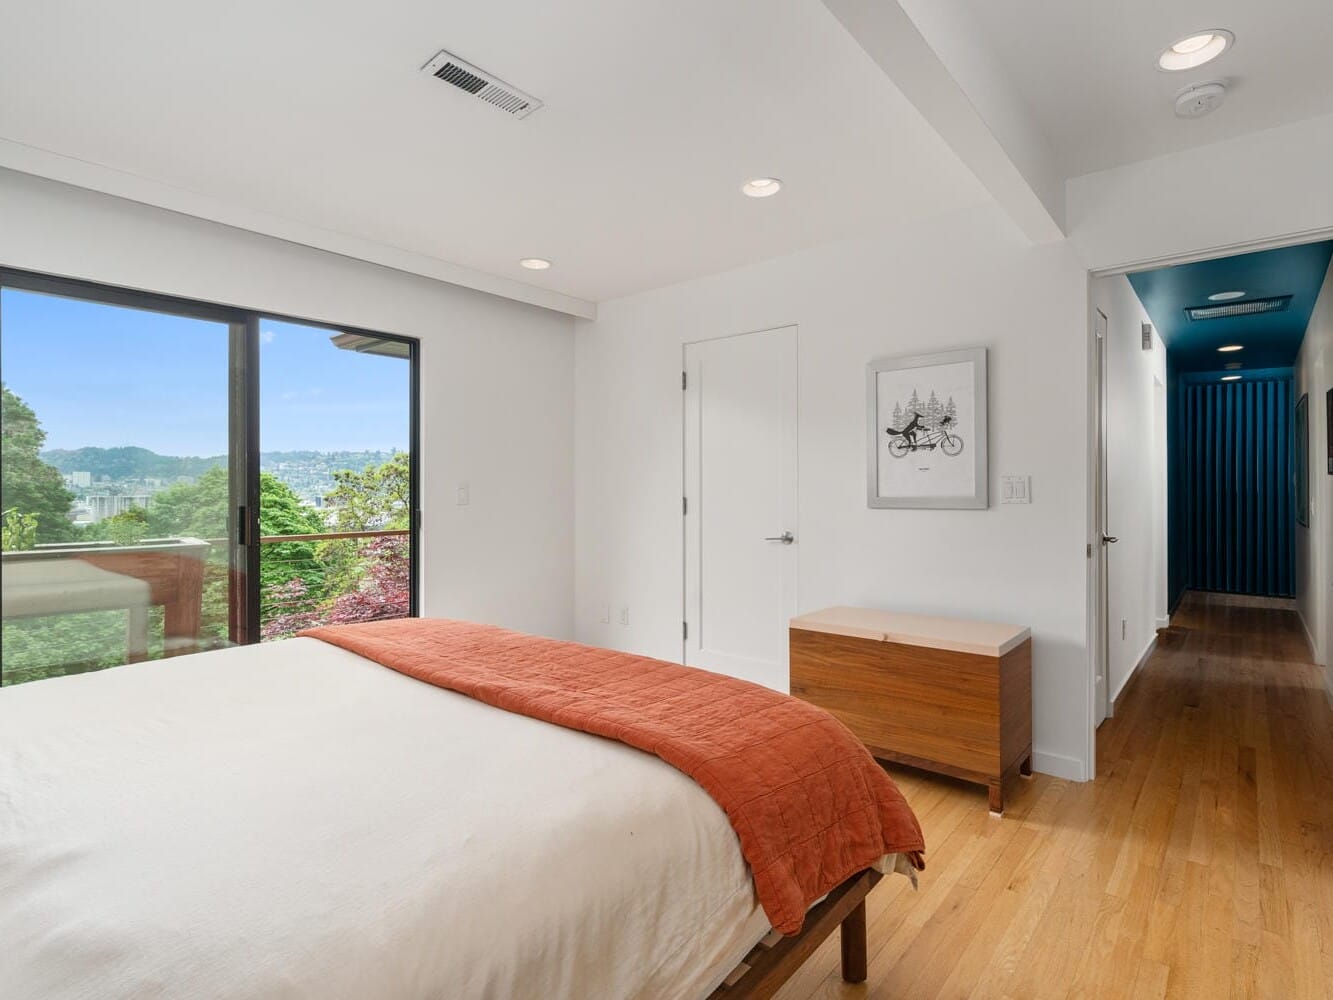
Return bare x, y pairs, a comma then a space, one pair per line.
294, 821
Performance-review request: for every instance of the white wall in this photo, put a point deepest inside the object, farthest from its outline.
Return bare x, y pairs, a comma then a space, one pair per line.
1314, 545
1135, 479
1256, 187
959, 281
496, 378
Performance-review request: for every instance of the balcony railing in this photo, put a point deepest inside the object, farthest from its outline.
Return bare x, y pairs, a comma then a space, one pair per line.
74, 608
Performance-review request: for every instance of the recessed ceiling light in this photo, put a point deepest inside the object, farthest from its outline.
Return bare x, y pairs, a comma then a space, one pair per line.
1195, 50
1230, 378
1227, 348
1225, 296
535, 263
761, 187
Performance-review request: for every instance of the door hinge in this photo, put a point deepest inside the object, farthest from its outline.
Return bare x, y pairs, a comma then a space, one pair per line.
1090, 550
684, 630
684, 506
684, 377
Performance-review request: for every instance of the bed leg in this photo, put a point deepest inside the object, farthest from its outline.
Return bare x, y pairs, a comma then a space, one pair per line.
853, 936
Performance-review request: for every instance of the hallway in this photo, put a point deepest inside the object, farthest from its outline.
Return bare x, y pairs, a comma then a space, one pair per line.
1198, 864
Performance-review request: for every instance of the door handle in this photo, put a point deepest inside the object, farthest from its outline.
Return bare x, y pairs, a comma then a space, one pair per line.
1109, 539
786, 538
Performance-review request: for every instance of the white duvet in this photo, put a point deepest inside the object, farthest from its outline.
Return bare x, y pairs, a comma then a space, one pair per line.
294, 821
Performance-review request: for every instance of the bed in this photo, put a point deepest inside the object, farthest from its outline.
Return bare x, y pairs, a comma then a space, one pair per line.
294, 820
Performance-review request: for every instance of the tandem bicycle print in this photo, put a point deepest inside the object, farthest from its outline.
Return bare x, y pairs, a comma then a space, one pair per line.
927, 431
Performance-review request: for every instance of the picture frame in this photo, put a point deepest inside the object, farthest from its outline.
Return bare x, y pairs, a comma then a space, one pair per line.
1302, 457
926, 421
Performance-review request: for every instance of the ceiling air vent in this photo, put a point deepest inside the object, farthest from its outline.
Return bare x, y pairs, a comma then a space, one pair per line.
1249, 307
462, 74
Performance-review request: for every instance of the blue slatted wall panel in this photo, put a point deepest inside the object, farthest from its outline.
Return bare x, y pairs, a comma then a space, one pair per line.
1239, 513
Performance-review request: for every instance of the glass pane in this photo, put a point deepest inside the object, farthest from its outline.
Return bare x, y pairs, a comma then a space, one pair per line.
335, 504
114, 485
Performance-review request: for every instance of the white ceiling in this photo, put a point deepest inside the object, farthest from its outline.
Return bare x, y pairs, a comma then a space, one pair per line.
1088, 70
656, 110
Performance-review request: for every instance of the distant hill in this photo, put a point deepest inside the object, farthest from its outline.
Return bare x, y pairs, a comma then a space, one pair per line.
140, 463
129, 463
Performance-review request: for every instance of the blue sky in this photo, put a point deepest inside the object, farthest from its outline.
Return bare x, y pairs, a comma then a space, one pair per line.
104, 376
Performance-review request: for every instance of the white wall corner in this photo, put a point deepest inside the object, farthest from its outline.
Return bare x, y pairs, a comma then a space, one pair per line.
933, 56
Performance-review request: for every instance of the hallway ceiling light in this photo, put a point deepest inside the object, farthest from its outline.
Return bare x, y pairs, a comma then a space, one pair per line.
1230, 378
761, 187
1195, 50
535, 263
1225, 296
1227, 348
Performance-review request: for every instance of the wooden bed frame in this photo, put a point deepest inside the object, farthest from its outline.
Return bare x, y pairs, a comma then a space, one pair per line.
775, 959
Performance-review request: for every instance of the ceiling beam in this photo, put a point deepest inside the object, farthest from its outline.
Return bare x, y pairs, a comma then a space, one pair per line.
96, 177
957, 88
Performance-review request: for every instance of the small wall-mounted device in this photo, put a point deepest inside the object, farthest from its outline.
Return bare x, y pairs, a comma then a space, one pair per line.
1146, 331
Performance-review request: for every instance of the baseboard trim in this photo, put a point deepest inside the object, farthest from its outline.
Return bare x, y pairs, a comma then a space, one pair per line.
1164, 622
1148, 650
1059, 766
1309, 640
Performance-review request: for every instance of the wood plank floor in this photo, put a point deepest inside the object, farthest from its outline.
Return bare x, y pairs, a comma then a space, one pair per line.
1198, 864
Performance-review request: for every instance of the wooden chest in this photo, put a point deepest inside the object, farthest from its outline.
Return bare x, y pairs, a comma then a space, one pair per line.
940, 694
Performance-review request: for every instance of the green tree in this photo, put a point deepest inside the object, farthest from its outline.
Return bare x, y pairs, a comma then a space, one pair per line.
201, 509
379, 496
27, 484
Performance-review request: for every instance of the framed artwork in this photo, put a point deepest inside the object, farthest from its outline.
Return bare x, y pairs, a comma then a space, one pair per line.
1302, 456
926, 431
1328, 436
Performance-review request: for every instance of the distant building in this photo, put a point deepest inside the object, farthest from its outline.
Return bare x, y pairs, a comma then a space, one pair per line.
103, 505
79, 480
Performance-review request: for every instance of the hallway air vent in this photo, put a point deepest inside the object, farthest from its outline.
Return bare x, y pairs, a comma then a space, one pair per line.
1250, 307
468, 78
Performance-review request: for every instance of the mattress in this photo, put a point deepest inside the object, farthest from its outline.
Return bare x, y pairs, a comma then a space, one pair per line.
294, 821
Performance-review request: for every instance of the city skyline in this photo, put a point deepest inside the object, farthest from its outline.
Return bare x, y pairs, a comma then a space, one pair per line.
107, 376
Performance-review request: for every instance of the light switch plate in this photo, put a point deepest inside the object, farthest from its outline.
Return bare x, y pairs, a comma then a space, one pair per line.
1015, 489
464, 494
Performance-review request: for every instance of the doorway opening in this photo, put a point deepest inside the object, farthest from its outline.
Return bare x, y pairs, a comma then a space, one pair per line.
1206, 377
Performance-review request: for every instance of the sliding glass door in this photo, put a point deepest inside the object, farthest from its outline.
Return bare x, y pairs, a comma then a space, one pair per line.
336, 479
177, 476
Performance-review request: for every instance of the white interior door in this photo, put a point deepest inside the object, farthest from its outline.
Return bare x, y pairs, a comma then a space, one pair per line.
740, 504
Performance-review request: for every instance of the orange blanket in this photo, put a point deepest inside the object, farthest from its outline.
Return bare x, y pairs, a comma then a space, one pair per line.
808, 802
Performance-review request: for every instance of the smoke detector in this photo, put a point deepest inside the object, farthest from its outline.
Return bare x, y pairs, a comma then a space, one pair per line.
1199, 99
470, 79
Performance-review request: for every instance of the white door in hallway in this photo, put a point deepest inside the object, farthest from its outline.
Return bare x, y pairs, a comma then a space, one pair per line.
740, 504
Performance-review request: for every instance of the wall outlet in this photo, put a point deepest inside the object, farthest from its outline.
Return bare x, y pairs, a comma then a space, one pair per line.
624, 614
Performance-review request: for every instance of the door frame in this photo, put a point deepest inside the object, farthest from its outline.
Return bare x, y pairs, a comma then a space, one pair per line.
244, 419
685, 474
1101, 693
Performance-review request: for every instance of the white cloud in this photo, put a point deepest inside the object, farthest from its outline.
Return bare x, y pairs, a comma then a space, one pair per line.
266, 336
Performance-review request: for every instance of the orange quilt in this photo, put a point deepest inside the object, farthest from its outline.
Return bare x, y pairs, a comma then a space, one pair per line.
810, 805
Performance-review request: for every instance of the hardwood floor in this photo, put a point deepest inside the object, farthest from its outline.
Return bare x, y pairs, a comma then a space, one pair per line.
1198, 864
